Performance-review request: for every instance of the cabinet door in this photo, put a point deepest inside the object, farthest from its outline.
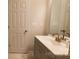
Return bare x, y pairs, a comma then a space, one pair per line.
41, 52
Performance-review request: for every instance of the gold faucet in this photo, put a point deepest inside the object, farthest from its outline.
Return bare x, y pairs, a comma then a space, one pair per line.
64, 32
60, 38
57, 37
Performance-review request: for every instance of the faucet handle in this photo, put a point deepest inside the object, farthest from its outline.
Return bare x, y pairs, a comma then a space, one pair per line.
63, 31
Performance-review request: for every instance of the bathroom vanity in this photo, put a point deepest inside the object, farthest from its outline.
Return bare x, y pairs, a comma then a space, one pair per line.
45, 47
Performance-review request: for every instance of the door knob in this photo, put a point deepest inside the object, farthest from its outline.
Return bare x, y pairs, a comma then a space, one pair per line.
25, 31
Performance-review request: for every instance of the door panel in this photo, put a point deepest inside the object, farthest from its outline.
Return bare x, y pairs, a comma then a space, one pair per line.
18, 25
26, 19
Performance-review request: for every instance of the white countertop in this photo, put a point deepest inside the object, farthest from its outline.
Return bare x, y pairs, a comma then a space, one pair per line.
55, 47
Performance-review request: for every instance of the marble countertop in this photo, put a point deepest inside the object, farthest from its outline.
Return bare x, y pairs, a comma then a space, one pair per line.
54, 46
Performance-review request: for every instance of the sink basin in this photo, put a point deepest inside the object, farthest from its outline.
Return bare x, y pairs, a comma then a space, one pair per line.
64, 43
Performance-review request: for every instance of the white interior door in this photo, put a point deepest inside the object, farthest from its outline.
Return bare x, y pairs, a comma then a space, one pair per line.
26, 19
18, 25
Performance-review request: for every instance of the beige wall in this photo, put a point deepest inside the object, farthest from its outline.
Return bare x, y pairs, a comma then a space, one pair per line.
38, 15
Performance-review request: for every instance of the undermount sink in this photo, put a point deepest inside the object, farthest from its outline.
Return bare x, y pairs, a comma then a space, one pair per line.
64, 43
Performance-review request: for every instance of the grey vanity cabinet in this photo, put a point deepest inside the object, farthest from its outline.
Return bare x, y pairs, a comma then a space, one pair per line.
41, 52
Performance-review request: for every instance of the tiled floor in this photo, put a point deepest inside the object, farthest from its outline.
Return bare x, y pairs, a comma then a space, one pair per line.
19, 56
